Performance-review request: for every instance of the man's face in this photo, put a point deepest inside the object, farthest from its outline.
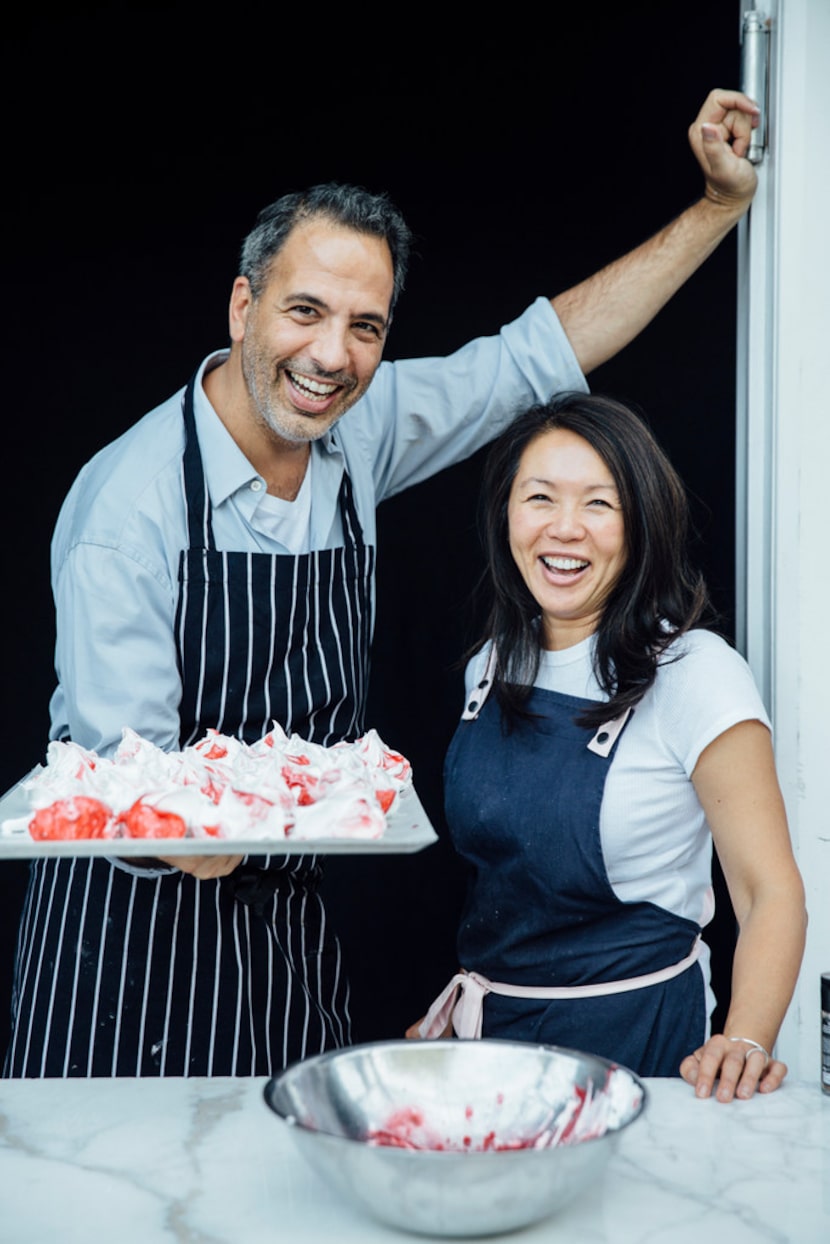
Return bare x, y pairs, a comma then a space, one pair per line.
310, 343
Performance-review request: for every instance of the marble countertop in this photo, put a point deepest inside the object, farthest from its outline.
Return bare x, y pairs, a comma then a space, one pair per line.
205, 1162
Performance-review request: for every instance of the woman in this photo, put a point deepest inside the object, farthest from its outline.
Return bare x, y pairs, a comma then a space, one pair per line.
607, 740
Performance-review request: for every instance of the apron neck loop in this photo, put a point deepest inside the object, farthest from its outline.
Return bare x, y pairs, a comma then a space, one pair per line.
197, 500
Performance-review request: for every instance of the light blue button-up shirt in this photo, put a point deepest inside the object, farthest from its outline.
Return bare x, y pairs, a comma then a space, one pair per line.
122, 527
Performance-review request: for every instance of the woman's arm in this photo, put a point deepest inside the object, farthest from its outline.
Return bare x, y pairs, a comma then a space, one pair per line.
736, 783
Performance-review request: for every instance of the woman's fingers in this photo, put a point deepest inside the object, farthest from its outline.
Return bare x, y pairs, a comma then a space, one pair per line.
729, 1069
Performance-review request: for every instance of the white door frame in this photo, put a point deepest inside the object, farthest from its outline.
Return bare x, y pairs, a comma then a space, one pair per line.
783, 457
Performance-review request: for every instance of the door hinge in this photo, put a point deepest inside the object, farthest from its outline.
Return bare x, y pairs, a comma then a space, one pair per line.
755, 38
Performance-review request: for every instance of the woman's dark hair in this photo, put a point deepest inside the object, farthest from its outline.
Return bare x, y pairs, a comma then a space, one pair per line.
657, 596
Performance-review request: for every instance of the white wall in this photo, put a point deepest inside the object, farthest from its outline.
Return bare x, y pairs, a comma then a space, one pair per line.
786, 553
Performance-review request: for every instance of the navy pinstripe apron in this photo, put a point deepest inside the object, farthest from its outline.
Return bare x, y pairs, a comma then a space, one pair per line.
135, 976
524, 812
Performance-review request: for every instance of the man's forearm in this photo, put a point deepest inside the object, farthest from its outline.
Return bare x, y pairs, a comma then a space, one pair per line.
604, 313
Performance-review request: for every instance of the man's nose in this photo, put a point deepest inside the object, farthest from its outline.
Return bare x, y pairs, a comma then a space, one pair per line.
330, 349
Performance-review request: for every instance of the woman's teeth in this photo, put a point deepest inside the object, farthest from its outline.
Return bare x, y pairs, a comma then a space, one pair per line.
564, 563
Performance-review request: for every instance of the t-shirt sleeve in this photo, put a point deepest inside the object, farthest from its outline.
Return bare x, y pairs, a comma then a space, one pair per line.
706, 688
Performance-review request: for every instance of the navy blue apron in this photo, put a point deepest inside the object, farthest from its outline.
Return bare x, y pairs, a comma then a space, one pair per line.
133, 976
523, 810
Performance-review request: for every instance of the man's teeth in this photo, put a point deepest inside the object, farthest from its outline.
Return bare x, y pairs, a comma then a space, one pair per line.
313, 388
564, 563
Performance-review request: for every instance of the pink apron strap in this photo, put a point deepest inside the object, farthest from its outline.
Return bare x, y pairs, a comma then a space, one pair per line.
462, 1001
463, 998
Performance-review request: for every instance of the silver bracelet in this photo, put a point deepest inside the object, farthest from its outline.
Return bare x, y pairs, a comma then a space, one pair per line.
754, 1048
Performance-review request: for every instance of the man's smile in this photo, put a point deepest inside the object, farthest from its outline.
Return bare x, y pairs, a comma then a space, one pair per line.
314, 395
311, 388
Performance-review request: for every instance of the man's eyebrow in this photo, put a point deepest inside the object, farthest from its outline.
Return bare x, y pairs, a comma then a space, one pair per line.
312, 300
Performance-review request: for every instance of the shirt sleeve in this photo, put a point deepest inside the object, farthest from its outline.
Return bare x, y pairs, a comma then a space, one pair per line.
115, 653
422, 415
705, 692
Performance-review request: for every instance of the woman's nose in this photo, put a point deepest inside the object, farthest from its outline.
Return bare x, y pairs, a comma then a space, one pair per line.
566, 523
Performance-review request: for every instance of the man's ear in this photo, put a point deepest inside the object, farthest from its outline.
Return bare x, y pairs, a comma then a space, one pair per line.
242, 299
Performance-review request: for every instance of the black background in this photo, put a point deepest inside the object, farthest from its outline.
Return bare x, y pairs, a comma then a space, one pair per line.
139, 142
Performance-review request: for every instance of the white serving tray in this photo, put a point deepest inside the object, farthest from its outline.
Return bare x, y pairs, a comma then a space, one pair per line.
408, 829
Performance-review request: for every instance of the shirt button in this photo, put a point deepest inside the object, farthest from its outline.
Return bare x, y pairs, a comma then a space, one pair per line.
256, 484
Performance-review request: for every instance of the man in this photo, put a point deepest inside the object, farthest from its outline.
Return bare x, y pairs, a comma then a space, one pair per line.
213, 567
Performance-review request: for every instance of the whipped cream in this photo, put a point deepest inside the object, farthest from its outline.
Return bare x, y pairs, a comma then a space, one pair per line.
219, 787
579, 1114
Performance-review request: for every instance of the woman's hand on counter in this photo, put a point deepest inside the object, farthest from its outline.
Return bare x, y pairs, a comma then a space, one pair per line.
737, 1068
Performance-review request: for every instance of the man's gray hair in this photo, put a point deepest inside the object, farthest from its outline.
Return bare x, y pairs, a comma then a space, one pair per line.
349, 206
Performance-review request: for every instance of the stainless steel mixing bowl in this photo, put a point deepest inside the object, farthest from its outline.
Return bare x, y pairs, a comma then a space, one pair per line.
454, 1137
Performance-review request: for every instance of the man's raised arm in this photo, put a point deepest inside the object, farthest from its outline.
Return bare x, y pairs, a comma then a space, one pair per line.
602, 314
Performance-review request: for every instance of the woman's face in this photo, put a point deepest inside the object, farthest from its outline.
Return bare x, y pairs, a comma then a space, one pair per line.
566, 533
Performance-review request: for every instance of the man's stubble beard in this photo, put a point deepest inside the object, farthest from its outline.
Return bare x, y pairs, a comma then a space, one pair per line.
272, 415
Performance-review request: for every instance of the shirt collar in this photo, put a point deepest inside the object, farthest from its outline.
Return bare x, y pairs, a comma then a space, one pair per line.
226, 468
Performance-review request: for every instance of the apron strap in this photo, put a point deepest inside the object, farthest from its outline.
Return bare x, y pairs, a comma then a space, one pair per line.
480, 692
352, 530
199, 525
462, 1001
607, 734
602, 743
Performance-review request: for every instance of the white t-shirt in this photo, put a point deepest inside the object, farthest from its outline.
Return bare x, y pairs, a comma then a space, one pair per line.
288, 522
656, 842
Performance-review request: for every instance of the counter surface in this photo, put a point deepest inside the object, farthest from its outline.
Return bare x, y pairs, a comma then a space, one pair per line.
206, 1162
